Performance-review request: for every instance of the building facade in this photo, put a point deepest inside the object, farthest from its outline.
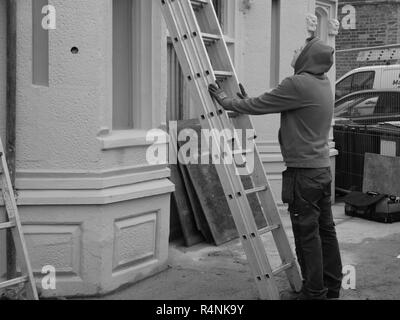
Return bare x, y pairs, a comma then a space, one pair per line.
375, 23
88, 92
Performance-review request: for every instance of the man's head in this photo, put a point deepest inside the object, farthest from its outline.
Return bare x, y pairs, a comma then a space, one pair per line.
314, 57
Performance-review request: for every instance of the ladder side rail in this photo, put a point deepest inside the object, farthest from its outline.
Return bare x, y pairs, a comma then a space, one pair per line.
12, 214
204, 63
252, 247
259, 178
209, 19
192, 25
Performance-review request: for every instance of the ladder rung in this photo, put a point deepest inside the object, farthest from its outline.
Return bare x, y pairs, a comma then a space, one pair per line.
268, 229
198, 3
282, 268
223, 74
13, 282
256, 190
208, 37
7, 225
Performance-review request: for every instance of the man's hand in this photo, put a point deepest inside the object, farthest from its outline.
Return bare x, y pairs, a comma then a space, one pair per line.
219, 94
242, 94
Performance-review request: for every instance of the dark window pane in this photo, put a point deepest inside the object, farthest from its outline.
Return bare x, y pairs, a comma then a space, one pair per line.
344, 87
363, 81
218, 10
388, 104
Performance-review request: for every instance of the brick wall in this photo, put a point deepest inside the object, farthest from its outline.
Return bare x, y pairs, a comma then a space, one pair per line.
377, 24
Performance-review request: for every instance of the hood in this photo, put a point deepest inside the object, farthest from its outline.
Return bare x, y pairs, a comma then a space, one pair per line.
316, 58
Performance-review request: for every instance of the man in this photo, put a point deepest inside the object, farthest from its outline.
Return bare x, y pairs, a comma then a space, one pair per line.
305, 101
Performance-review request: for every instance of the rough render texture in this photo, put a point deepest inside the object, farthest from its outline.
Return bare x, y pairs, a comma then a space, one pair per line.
377, 29
2, 102
101, 217
98, 248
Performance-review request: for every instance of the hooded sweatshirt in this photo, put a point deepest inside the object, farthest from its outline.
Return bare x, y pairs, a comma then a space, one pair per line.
305, 101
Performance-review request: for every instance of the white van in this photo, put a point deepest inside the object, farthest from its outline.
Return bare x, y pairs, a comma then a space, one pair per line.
366, 78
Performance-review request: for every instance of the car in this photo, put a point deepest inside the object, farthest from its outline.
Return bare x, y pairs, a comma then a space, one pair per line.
368, 107
368, 78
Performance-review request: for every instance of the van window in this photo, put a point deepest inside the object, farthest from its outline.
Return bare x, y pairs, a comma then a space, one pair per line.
363, 81
356, 82
343, 88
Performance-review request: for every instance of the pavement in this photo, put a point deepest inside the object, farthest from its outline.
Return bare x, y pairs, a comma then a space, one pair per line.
205, 272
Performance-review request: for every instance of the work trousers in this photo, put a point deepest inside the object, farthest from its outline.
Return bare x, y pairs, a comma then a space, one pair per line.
308, 194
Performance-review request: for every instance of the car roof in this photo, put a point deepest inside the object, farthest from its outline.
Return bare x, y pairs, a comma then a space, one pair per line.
370, 68
391, 66
372, 91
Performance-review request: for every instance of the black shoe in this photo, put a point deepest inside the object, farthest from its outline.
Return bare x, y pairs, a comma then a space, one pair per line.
333, 296
289, 295
303, 296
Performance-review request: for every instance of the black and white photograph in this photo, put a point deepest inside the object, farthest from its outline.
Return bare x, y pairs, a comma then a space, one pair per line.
203, 156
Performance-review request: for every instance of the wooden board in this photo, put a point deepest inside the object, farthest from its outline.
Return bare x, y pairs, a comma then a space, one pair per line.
183, 209
196, 206
211, 196
382, 174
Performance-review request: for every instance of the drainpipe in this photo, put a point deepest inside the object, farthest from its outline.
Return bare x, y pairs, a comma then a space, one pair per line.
11, 115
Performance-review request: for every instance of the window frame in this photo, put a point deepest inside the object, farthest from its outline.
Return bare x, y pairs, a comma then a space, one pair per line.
151, 110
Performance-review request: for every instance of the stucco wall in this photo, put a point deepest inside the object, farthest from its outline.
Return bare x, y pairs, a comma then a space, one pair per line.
2, 67
57, 125
85, 191
2, 107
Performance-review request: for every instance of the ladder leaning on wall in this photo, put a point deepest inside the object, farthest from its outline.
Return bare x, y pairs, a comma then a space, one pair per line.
204, 58
13, 223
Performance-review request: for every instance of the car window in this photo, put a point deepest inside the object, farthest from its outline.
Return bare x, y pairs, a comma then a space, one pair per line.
388, 104
342, 109
363, 81
365, 107
344, 87
356, 106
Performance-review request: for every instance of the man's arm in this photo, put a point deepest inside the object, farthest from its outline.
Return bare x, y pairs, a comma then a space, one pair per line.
284, 98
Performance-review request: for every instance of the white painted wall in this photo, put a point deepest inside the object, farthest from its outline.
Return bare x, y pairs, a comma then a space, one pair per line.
86, 193
2, 110
2, 67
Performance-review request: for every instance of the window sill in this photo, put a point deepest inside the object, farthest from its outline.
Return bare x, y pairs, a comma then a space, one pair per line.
129, 138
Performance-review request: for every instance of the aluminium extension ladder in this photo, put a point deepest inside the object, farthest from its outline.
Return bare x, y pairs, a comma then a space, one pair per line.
204, 58
14, 224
